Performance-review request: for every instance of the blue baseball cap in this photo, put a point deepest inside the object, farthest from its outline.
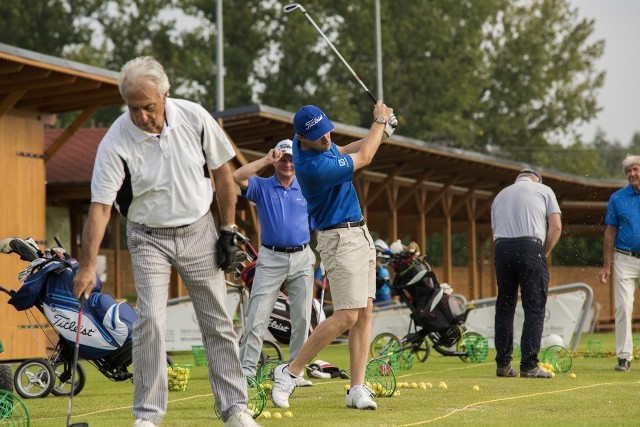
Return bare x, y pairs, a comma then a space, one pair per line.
312, 123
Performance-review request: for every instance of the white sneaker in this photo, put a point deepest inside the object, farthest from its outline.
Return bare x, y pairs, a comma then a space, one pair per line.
139, 422
301, 382
283, 386
360, 397
241, 419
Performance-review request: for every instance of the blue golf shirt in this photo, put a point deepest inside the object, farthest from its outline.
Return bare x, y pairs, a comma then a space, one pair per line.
623, 213
325, 179
282, 211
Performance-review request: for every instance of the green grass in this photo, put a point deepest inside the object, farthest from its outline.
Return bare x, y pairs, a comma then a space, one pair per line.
597, 396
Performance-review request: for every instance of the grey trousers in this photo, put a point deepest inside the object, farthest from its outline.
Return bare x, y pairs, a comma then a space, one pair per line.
191, 250
273, 269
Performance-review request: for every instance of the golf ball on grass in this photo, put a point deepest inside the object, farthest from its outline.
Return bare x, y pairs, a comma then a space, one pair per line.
572, 375
277, 415
475, 388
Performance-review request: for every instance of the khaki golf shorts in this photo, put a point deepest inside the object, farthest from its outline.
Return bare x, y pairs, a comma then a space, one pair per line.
349, 259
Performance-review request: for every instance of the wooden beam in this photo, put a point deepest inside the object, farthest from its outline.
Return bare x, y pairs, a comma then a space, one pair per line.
10, 68
383, 185
410, 191
30, 85
7, 104
70, 131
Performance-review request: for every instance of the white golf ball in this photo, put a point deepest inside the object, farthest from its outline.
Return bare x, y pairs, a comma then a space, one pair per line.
553, 339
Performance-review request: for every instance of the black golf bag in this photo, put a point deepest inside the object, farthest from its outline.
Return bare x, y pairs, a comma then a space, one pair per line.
418, 286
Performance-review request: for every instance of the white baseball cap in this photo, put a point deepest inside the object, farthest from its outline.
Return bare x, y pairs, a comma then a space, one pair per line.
285, 146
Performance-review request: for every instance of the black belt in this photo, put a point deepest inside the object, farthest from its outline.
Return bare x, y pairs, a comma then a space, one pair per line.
346, 225
518, 239
633, 254
288, 249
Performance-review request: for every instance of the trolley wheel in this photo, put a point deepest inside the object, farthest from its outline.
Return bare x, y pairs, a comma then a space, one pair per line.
422, 349
6, 378
271, 352
383, 343
34, 378
461, 347
62, 384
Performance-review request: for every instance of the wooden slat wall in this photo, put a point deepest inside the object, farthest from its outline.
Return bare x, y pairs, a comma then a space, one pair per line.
22, 214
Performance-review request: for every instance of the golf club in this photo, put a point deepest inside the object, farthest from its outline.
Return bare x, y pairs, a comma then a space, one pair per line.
293, 6
324, 286
76, 351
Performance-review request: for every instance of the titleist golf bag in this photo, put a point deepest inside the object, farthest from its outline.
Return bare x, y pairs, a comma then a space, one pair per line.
106, 324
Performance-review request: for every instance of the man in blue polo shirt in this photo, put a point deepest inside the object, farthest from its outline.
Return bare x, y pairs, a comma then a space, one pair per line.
621, 248
284, 257
325, 172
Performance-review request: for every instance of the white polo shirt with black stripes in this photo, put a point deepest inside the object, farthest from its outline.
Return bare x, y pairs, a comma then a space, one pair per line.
161, 181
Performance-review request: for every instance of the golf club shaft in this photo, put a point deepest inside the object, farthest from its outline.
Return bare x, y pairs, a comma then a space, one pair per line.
76, 352
294, 6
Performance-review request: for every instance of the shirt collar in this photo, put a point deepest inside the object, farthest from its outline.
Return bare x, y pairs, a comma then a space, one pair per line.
274, 181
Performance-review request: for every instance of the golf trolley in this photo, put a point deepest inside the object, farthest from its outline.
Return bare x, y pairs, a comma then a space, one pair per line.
106, 324
437, 319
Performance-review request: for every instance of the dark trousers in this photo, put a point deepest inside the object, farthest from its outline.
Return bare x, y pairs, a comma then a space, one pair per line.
520, 264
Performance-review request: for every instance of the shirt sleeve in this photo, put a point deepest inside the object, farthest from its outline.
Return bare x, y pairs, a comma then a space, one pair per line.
217, 147
108, 174
252, 192
333, 168
611, 218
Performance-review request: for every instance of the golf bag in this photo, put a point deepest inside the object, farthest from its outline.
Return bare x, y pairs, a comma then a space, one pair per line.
244, 268
431, 308
106, 324
280, 320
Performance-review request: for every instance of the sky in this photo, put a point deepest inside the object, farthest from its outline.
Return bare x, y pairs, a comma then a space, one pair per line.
616, 21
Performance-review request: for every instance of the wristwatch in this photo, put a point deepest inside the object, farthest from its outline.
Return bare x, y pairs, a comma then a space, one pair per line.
380, 119
230, 228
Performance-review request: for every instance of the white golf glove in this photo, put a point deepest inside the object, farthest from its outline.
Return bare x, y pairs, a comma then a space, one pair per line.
390, 126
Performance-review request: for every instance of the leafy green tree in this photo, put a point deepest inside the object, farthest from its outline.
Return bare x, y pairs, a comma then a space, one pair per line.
543, 77
45, 26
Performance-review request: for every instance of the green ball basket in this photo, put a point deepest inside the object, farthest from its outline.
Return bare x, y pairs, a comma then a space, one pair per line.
13, 411
477, 348
256, 398
558, 357
380, 377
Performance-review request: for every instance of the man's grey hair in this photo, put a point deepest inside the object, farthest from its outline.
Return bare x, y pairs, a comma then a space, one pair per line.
628, 162
143, 67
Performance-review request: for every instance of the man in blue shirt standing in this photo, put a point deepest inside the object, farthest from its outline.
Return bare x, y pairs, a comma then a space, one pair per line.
325, 172
284, 257
621, 248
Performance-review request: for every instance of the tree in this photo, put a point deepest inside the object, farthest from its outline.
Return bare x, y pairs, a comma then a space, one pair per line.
45, 26
543, 77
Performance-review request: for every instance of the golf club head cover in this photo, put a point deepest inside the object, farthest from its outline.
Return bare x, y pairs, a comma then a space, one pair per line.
27, 249
226, 249
391, 125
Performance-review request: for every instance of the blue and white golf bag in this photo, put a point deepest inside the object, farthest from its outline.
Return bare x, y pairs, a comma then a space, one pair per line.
106, 324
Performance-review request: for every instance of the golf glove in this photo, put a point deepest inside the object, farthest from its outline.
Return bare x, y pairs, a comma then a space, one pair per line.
225, 249
390, 126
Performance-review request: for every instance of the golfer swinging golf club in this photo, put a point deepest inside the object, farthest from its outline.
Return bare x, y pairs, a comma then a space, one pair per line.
325, 172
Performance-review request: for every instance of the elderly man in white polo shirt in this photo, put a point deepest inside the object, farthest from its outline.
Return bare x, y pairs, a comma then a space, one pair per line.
154, 164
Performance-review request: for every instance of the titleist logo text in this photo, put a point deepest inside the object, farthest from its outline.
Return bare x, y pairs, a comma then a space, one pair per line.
61, 321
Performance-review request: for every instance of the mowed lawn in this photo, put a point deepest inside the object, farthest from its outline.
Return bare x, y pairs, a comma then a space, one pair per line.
594, 395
